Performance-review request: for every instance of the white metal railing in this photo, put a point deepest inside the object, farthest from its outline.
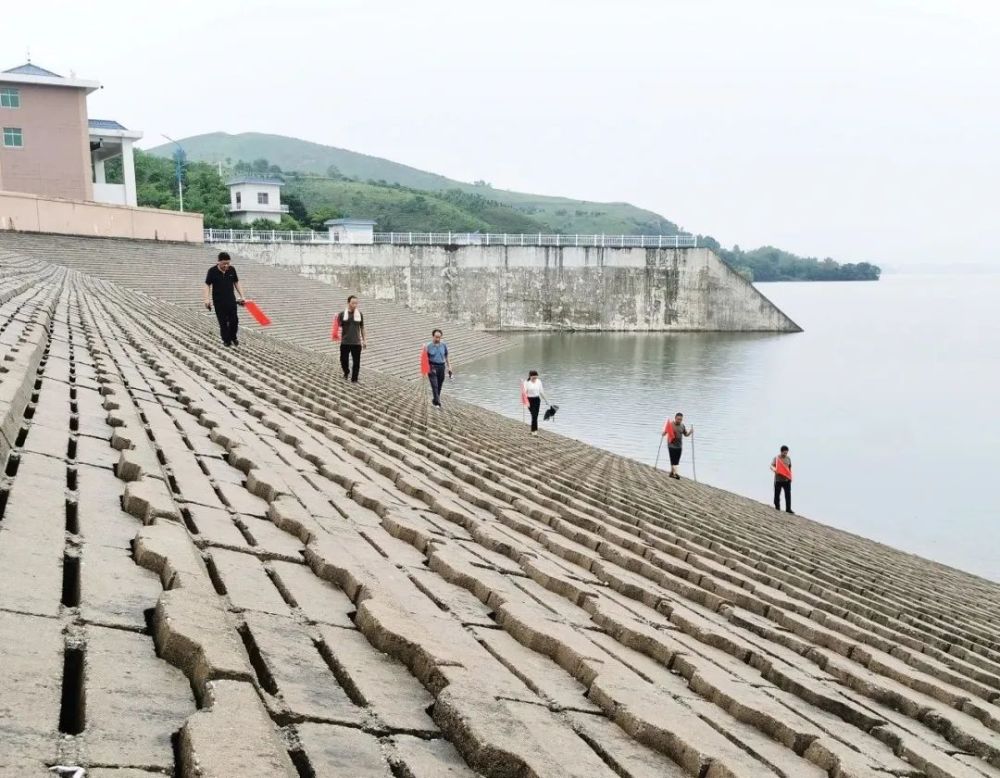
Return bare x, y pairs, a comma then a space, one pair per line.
265, 236
460, 239
535, 239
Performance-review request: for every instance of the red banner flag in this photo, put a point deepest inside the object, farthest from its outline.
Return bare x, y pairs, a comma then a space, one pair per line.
257, 313
425, 362
335, 332
669, 431
524, 395
782, 469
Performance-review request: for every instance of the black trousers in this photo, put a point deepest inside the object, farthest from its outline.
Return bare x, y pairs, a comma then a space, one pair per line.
786, 487
229, 321
436, 377
534, 405
346, 353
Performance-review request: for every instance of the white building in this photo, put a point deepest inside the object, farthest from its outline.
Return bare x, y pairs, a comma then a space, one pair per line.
351, 230
109, 139
256, 198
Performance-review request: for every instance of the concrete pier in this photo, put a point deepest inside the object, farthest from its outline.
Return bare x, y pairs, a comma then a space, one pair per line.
542, 287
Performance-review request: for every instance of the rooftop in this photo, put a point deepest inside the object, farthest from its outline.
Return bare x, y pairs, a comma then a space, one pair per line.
260, 180
348, 222
105, 124
30, 74
27, 69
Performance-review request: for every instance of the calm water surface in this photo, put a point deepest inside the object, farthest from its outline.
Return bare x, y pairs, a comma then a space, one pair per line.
888, 400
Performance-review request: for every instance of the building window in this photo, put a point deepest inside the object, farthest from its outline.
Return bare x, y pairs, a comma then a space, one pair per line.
10, 97
12, 137
239, 199
261, 198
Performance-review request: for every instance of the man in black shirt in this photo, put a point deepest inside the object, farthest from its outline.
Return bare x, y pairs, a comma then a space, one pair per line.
221, 281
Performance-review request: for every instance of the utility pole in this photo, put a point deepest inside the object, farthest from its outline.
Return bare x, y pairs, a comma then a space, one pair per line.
179, 161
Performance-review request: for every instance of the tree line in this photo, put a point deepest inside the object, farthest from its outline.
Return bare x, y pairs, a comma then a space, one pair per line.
398, 208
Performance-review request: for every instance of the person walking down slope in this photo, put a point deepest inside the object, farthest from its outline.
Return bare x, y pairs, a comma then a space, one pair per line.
535, 393
675, 432
781, 466
221, 286
438, 364
349, 329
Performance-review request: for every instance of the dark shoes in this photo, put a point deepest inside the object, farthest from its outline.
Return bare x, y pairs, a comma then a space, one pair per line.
227, 343
674, 475
235, 342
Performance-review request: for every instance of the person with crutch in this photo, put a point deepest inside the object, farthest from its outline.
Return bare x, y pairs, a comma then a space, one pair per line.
781, 466
675, 432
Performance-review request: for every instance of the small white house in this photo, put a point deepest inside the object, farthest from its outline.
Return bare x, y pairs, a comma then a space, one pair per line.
351, 230
256, 198
109, 139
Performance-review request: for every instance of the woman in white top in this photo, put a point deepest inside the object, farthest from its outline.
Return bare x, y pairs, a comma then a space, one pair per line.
535, 394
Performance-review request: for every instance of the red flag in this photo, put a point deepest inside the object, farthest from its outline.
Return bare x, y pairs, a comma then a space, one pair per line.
425, 362
335, 332
257, 313
524, 395
782, 469
669, 431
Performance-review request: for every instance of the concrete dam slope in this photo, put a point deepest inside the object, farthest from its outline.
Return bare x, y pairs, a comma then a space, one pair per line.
218, 563
543, 287
301, 309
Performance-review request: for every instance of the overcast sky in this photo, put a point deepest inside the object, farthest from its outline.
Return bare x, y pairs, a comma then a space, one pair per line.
858, 129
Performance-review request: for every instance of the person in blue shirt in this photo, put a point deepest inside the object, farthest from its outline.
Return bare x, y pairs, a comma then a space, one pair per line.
437, 355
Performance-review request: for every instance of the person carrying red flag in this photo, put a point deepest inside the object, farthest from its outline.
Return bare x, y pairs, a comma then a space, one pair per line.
222, 284
435, 360
781, 466
675, 432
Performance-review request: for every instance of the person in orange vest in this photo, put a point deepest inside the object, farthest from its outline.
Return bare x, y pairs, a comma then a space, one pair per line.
675, 432
781, 466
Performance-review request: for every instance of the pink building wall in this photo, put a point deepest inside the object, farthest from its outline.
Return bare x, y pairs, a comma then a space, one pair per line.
55, 158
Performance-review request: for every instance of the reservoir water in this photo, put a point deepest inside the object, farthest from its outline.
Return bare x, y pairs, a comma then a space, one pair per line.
888, 401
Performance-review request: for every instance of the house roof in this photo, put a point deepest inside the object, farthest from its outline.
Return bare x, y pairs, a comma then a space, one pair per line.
105, 124
32, 74
255, 180
350, 222
27, 69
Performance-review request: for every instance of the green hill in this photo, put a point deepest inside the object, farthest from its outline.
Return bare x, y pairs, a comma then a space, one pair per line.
324, 182
558, 214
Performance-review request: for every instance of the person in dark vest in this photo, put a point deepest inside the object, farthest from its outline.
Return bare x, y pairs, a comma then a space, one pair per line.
675, 432
352, 339
437, 357
222, 284
781, 466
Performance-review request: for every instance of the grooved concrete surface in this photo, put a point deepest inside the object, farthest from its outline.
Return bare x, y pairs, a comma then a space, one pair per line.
301, 309
218, 563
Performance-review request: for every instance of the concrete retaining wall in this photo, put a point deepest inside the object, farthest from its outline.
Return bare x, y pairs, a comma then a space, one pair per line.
541, 287
33, 213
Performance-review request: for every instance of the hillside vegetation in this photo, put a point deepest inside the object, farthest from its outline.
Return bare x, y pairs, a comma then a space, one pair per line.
324, 182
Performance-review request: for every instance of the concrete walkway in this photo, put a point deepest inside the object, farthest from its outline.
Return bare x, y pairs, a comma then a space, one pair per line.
224, 562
